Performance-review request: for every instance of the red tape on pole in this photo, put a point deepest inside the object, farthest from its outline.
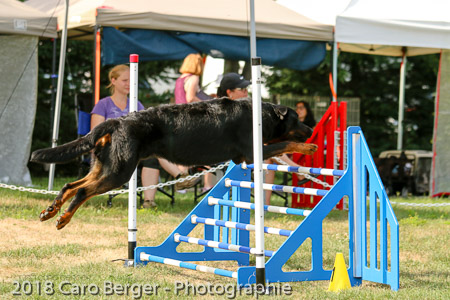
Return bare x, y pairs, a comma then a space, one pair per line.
333, 92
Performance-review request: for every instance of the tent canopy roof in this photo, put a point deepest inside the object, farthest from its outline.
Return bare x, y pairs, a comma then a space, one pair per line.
384, 26
81, 18
322, 11
227, 17
19, 18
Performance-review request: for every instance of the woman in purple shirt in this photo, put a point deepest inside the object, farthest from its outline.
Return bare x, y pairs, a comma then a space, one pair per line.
117, 105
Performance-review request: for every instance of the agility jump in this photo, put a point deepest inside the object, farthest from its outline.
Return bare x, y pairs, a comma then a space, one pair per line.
225, 213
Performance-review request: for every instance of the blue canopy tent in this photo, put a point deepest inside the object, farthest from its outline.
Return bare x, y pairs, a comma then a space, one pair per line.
171, 45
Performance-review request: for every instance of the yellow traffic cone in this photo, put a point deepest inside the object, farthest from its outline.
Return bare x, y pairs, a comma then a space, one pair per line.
339, 278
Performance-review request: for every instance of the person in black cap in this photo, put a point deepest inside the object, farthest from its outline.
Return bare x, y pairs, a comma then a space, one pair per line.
233, 86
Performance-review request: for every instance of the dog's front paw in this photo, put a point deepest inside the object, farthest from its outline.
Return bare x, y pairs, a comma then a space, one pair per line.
48, 213
63, 220
309, 149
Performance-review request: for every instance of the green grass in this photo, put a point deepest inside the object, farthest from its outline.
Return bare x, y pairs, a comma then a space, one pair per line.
89, 250
40, 252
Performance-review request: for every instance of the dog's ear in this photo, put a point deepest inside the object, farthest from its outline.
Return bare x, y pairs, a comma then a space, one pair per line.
280, 110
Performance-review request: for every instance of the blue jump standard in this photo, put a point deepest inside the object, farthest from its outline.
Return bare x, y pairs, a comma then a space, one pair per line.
373, 231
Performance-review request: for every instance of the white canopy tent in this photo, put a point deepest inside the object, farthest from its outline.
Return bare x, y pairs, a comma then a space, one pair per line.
400, 28
20, 29
228, 17
21, 19
322, 11
81, 19
384, 27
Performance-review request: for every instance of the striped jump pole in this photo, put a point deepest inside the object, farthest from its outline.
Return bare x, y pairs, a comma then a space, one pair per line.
269, 208
275, 187
220, 245
291, 169
186, 265
132, 205
258, 173
236, 225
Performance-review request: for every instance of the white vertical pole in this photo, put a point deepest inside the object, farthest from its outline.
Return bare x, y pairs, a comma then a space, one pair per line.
257, 155
401, 103
132, 229
59, 89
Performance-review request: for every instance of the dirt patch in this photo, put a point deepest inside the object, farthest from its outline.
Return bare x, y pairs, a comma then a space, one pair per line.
96, 242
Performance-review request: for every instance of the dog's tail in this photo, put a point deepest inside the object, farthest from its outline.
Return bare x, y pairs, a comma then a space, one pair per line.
71, 150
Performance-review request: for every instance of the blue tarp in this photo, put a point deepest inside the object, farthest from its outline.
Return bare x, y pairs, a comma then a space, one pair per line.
169, 45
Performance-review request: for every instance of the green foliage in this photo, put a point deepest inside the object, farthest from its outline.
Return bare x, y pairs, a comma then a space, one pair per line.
312, 82
375, 80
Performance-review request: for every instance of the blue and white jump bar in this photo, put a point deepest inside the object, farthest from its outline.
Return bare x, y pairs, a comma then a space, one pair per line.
241, 226
237, 248
269, 208
191, 266
275, 187
315, 171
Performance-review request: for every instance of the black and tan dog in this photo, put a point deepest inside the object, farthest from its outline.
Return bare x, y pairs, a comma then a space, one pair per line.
203, 133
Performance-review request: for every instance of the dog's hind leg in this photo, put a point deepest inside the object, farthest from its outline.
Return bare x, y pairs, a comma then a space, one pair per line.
83, 194
68, 191
96, 185
288, 147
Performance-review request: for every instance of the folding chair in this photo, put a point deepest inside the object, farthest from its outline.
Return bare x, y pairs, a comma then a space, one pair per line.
83, 106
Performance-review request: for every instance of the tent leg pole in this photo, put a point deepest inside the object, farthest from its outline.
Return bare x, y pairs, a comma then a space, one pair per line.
401, 102
62, 60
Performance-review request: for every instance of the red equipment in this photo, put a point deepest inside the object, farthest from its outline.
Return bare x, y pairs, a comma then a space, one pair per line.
329, 136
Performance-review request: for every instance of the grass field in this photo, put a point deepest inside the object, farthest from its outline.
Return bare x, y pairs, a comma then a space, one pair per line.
38, 262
